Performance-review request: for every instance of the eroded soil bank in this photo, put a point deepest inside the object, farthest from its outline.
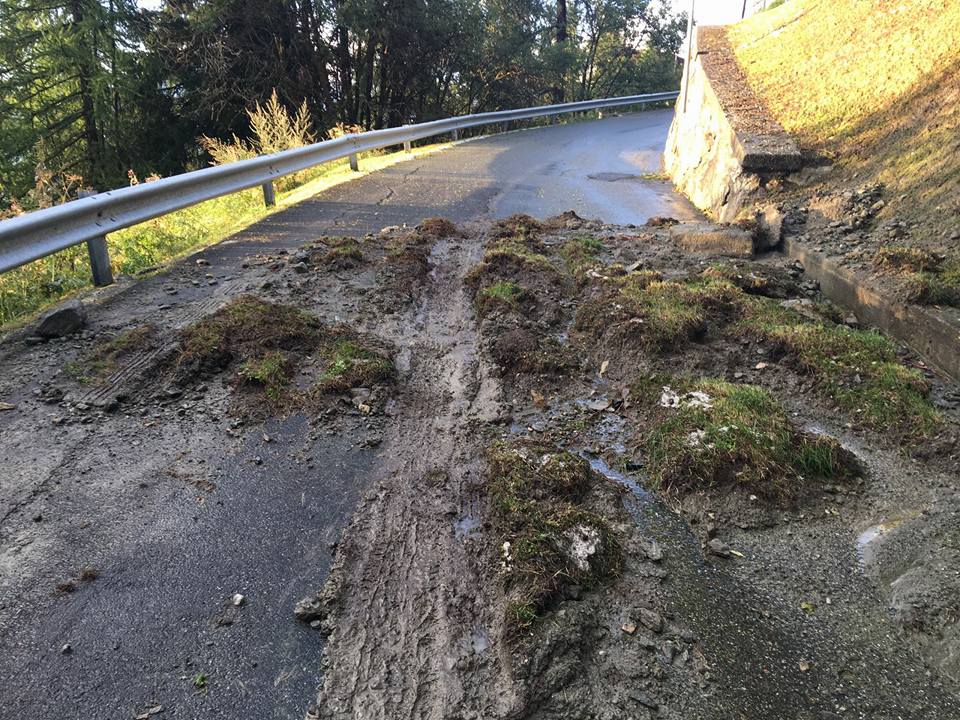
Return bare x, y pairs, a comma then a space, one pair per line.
600, 474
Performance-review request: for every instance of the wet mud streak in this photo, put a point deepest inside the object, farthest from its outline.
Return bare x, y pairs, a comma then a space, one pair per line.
411, 601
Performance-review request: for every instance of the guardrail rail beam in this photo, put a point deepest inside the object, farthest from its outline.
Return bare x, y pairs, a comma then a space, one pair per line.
90, 219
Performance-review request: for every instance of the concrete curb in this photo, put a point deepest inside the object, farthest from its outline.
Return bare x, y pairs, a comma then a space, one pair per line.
932, 333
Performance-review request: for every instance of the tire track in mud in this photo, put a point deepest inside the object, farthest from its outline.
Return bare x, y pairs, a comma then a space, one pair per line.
414, 633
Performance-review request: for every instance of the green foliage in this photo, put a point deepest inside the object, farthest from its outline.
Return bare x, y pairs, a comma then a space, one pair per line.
351, 364
715, 434
858, 369
273, 129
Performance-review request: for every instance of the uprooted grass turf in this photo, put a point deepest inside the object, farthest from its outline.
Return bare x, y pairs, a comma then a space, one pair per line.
266, 342
858, 369
708, 434
502, 293
548, 539
342, 253
660, 313
351, 364
580, 254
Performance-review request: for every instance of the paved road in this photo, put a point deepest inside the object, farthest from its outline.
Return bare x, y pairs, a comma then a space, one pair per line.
170, 554
600, 169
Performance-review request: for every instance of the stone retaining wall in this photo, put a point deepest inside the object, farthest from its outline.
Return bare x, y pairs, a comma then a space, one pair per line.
723, 147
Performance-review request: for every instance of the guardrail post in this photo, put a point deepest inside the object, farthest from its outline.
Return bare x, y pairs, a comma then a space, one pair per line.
269, 196
99, 261
354, 162
455, 134
99, 254
406, 146
505, 127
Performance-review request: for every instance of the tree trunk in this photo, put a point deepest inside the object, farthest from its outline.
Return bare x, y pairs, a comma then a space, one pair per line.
90, 134
560, 38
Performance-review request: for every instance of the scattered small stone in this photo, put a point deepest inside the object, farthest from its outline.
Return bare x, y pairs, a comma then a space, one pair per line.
203, 262
4, 406
258, 460
760, 366
629, 628
66, 649
598, 405
652, 549
804, 665
300, 267
237, 600
149, 712
718, 547
644, 700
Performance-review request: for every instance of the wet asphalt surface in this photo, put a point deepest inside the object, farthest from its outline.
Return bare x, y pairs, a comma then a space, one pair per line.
170, 556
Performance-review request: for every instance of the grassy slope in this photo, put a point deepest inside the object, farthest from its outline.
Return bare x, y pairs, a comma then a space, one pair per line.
29, 289
874, 84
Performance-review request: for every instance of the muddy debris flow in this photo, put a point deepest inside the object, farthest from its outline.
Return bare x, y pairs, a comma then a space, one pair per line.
597, 474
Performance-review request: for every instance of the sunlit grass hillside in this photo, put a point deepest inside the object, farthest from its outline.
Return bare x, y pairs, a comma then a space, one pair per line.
873, 85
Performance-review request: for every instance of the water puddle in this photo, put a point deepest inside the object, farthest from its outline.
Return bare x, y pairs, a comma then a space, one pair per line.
466, 525
600, 466
479, 640
869, 541
613, 176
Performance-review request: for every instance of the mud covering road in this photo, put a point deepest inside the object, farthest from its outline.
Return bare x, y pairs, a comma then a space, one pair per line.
167, 504
441, 446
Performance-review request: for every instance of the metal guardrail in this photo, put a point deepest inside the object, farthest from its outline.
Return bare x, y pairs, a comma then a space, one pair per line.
89, 219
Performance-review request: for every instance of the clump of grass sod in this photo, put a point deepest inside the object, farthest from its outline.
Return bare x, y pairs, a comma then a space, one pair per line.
267, 342
350, 363
857, 369
660, 313
548, 538
707, 434
502, 293
581, 254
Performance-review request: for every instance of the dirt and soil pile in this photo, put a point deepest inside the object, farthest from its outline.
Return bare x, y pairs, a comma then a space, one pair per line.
614, 477
654, 453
